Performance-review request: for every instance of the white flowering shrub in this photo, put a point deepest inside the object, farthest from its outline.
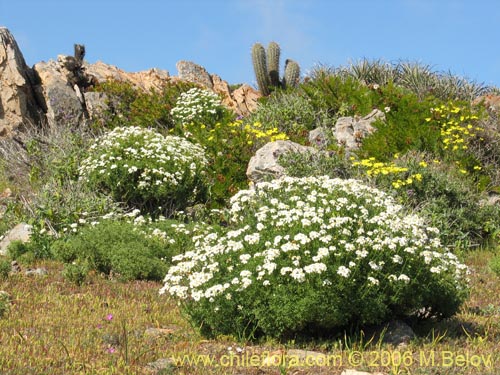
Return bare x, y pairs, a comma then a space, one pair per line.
197, 105
145, 169
306, 255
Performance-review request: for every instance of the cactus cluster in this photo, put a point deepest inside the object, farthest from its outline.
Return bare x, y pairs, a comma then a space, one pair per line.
267, 66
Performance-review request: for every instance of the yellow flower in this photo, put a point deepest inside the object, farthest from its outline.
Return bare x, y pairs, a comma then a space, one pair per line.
477, 167
463, 171
418, 177
423, 164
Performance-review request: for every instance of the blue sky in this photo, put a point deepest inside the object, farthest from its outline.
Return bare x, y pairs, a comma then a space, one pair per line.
461, 36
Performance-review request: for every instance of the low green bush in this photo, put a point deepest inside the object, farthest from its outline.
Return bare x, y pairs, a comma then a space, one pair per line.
128, 105
75, 272
5, 268
495, 264
4, 303
144, 169
311, 256
114, 247
291, 113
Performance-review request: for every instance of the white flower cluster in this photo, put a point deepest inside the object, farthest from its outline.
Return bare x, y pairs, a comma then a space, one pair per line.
195, 105
144, 156
292, 229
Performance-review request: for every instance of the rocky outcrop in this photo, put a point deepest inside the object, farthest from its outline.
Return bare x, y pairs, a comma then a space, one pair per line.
61, 102
242, 101
246, 98
350, 131
56, 92
17, 100
21, 232
191, 72
264, 164
152, 79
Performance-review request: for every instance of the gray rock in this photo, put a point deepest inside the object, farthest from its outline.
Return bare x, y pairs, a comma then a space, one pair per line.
161, 364
356, 372
21, 232
96, 103
15, 267
318, 137
60, 100
191, 72
4, 303
350, 131
395, 333
36, 272
265, 165
17, 99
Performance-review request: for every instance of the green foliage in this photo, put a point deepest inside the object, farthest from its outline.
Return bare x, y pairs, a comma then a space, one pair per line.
332, 164
4, 268
229, 147
418, 78
441, 192
266, 69
144, 169
115, 247
131, 106
495, 265
200, 107
4, 303
76, 272
314, 255
292, 113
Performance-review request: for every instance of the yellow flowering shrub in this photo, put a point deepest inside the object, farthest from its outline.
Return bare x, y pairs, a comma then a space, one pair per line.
398, 175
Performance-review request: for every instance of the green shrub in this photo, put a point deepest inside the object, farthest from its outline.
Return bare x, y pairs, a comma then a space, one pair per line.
115, 247
4, 303
198, 106
332, 164
131, 106
144, 169
443, 192
229, 145
291, 113
75, 272
5, 268
495, 265
314, 255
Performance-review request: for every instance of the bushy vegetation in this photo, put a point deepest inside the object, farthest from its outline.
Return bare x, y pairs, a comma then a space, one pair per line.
115, 248
305, 255
309, 255
144, 169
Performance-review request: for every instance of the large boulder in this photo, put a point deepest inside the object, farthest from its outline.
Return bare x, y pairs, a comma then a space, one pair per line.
265, 163
246, 99
191, 72
350, 131
21, 232
61, 101
17, 100
152, 79
242, 101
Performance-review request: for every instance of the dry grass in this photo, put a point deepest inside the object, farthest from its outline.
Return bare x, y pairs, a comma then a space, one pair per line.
55, 327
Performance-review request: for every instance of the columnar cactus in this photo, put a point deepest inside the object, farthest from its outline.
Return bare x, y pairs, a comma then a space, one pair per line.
266, 68
292, 74
273, 63
260, 68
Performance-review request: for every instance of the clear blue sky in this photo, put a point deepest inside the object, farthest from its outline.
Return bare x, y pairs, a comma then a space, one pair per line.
461, 36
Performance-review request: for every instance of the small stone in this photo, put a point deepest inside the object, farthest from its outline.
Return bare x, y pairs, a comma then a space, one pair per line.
36, 272
160, 332
15, 267
355, 372
273, 359
265, 162
161, 364
21, 232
